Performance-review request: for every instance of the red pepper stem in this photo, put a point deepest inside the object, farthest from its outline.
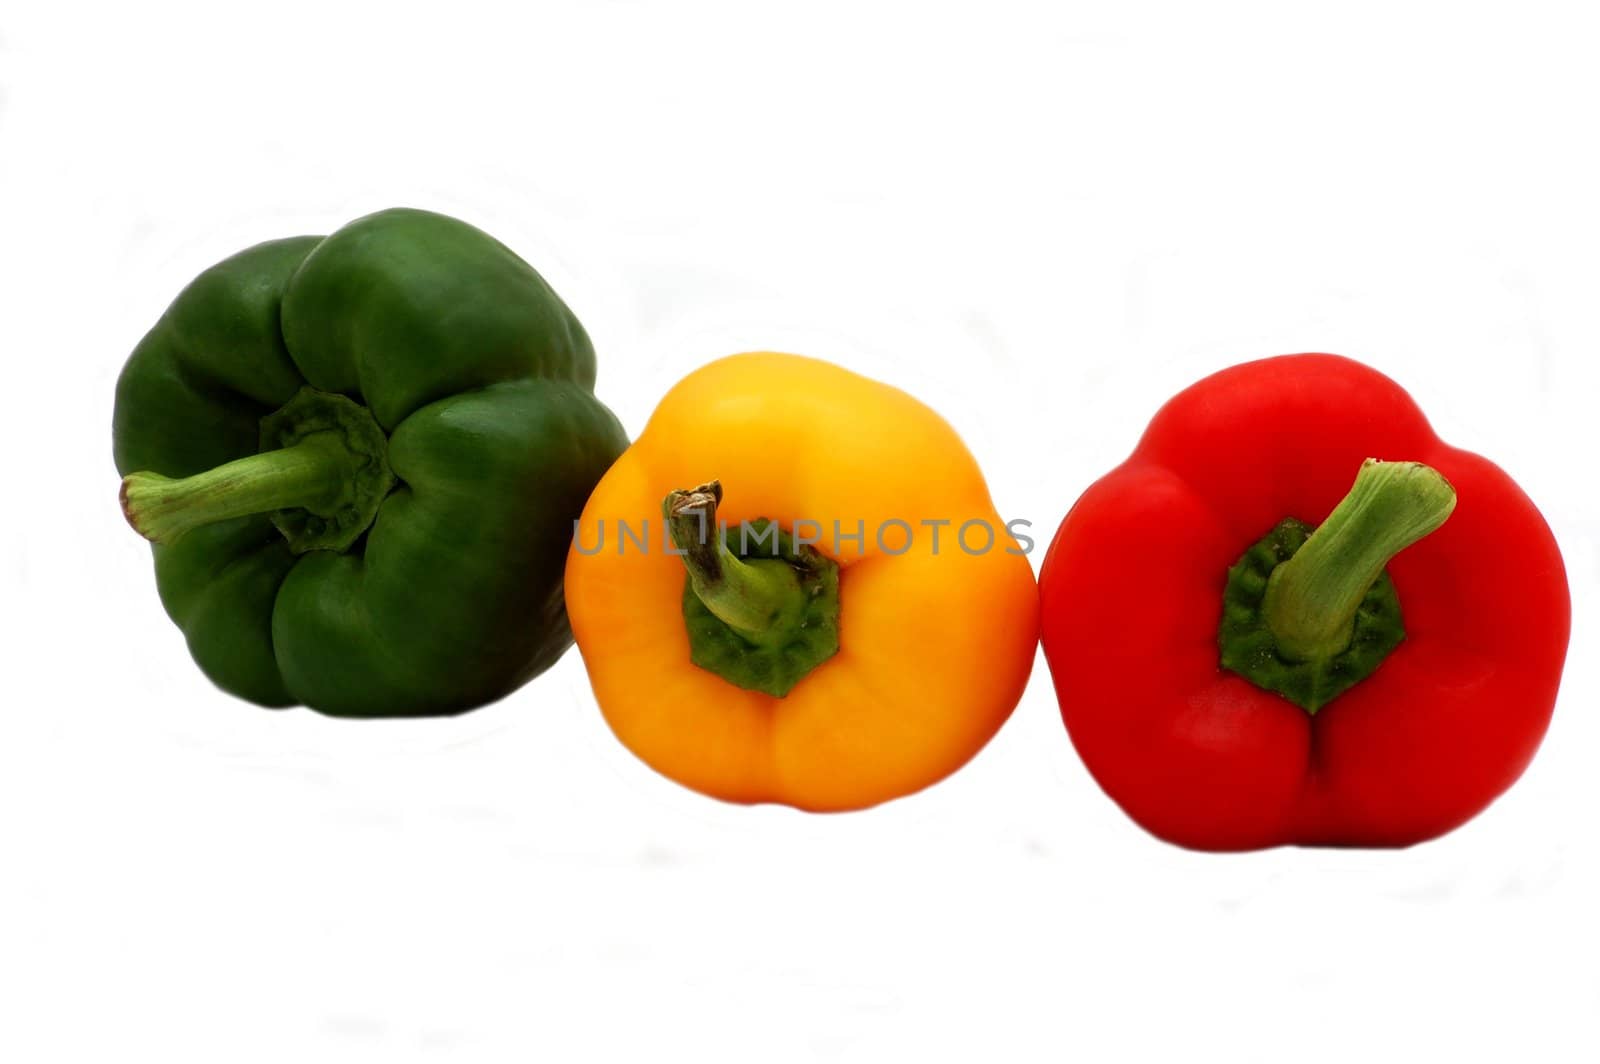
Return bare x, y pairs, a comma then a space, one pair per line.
1311, 600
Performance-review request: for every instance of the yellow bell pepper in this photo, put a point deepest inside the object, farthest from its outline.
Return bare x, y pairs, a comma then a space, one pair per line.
864, 624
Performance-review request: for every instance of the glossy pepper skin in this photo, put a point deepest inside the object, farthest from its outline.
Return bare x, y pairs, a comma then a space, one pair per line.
407, 559
1132, 595
933, 647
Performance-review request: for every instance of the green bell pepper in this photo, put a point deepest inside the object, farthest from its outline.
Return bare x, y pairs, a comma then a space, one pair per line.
360, 459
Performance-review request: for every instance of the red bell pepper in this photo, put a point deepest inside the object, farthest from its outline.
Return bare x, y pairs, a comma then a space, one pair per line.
1233, 684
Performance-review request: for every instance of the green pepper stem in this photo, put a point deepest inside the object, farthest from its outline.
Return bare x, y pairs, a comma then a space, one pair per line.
760, 600
314, 474
1311, 600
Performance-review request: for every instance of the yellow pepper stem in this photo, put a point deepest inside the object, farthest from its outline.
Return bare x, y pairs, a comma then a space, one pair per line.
757, 599
761, 622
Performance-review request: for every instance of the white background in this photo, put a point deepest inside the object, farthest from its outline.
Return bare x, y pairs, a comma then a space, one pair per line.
1042, 219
